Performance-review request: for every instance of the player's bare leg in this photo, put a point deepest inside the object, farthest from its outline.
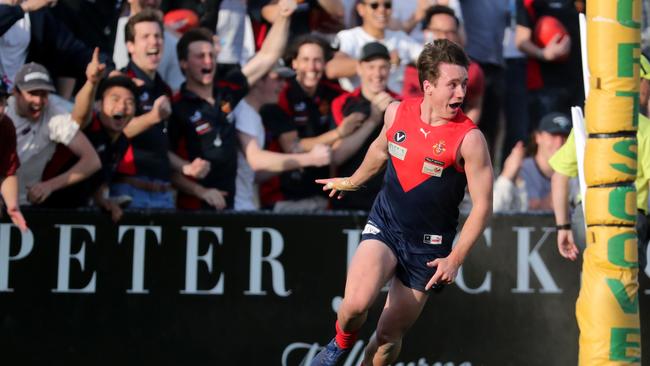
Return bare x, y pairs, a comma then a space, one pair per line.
403, 307
372, 266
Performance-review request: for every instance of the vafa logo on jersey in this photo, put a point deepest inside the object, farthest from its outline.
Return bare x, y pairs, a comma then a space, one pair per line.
400, 136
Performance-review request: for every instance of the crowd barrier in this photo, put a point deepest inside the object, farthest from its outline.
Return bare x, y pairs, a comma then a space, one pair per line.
167, 288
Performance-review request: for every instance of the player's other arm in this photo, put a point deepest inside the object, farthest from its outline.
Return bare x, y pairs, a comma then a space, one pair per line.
372, 164
478, 170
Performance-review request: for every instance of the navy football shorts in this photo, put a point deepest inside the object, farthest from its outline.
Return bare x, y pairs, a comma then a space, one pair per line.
412, 267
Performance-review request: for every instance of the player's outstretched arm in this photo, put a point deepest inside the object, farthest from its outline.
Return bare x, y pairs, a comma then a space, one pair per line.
478, 170
372, 164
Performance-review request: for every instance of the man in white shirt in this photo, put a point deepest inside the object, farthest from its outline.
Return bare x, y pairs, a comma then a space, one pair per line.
39, 127
375, 15
253, 162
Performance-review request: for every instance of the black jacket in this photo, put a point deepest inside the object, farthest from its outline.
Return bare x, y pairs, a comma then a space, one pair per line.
52, 44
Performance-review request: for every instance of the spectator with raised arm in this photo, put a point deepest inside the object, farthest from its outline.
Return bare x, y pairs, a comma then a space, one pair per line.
255, 163
40, 125
203, 124
301, 120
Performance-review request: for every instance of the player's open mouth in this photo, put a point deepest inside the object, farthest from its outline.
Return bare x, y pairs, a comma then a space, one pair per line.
118, 116
153, 51
455, 105
206, 71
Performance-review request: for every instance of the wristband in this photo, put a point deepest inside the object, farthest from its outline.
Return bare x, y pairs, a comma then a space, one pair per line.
563, 227
343, 185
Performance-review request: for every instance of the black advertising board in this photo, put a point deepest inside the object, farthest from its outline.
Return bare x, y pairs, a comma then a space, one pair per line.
261, 289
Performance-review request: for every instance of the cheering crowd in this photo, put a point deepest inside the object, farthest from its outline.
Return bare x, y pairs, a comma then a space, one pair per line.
236, 104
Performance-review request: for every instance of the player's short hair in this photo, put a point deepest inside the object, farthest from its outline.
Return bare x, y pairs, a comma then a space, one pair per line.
438, 52
146, 15
294, 48
189, 37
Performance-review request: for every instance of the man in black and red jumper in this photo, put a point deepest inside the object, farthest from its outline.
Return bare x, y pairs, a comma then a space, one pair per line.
202, 124
301, 119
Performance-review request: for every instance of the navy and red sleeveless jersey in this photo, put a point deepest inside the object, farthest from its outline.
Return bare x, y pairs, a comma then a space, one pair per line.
423, 185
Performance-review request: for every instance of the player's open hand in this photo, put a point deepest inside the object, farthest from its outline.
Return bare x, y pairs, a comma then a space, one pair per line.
337, 185
446, 272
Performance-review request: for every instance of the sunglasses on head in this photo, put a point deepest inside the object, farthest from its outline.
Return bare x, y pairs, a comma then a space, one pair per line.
375, 6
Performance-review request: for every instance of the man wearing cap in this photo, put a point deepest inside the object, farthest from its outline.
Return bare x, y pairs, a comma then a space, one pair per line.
254, 163
571, 232
525, 182
202, 124
369, 102
39, 127
9, 163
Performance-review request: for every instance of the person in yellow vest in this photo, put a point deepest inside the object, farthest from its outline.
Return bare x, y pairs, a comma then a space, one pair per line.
571, 233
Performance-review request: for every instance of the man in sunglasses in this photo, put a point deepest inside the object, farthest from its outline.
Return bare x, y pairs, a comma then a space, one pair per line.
375, 16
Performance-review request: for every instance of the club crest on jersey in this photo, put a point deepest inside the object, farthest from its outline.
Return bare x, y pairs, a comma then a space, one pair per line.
400, 136
439, 147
